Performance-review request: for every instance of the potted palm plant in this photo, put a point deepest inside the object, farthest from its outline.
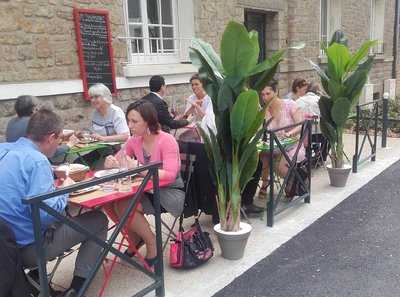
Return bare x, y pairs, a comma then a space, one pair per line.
233, 81
342, 80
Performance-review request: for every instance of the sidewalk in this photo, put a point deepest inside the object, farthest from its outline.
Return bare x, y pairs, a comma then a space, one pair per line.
209, 279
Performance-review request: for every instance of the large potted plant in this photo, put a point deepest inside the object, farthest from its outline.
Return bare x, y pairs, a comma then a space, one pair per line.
342, 80
233, 81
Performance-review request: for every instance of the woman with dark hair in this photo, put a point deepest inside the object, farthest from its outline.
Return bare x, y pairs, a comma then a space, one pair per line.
199, 103
280, 113
149, 144
299, 89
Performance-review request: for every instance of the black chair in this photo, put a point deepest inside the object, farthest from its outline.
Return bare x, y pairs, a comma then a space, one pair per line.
186, 172
13, 280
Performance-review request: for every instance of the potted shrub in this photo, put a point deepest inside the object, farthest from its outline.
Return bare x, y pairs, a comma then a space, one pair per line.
342, 80
238, 117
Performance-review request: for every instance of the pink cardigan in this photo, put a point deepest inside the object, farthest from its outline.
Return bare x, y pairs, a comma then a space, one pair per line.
165, 149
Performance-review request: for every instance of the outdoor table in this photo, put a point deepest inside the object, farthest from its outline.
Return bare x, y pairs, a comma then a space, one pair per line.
96, 200
81, 149
287, 143
100, 198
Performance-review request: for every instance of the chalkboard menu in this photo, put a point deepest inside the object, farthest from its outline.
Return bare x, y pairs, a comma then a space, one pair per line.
93, 35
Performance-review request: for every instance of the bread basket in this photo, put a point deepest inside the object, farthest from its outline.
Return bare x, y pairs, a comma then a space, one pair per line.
77, 172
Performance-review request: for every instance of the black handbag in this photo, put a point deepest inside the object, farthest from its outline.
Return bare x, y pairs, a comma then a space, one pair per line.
190, 248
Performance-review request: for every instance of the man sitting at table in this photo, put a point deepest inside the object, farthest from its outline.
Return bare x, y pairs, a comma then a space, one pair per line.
25, 172
158, 90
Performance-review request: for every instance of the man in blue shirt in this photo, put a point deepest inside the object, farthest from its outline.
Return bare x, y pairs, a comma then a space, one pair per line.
24, 172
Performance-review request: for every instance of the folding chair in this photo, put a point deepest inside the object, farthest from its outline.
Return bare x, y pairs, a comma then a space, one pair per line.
319, 145
33, 278
187, 168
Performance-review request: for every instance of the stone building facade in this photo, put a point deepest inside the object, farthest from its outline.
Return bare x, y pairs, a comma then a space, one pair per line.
38, 51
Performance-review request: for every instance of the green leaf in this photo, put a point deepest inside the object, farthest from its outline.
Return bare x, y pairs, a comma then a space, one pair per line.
208, 53
238, 53
245, 107
205, 69
356, 81
328, 131
246, 173
265, 78
340, 111
325, 106
254, 127
360, 54
248, 151
268, 64
338, 57
225, 97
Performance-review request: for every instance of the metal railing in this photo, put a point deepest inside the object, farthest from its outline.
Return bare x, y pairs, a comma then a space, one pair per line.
37, 204
363, 126
156, 50
293, 171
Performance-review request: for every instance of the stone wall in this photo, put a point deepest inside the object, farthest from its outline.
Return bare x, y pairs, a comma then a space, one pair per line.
37, 38
76, 112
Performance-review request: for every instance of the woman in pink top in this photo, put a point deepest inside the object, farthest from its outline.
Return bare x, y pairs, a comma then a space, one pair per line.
149, 144
283, 113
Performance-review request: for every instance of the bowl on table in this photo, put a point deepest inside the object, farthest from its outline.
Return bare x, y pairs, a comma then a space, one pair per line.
77, 172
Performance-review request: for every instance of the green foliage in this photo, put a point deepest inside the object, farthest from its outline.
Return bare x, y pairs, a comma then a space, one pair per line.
238, 115
342, 80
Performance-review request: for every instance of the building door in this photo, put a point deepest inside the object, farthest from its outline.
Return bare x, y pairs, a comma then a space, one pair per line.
254, 20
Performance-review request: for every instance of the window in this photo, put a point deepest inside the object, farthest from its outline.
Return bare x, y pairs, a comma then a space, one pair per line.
378, 24
152, 31
331, 19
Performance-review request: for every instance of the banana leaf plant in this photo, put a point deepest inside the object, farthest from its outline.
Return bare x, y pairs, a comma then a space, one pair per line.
233, 81
342, 80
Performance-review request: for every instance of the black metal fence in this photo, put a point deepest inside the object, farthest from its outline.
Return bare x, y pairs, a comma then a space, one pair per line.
365, 121
37, 204
295, 169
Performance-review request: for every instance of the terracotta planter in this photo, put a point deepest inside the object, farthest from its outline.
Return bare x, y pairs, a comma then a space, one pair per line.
338, 176
233, 243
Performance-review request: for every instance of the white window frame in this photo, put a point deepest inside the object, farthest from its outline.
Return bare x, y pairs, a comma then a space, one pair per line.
377, 30
149, 56
333, 20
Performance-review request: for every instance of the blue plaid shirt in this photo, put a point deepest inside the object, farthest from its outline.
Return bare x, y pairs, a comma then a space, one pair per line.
25, 172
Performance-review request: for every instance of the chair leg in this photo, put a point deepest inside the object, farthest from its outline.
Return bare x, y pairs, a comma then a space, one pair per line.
171, 233
244, 215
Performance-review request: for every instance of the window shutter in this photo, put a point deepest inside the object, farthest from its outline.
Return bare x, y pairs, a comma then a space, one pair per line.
185, 27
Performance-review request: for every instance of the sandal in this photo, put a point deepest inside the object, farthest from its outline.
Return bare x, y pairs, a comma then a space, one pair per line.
138, 246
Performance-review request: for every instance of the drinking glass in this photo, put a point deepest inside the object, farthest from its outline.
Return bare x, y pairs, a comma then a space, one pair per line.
124, 183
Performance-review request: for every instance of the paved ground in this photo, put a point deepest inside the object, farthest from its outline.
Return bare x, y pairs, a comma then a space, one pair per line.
353, 250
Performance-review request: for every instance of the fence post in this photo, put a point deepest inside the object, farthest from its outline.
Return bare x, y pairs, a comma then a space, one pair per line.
385, 111
270, 199
376, 109
355, 157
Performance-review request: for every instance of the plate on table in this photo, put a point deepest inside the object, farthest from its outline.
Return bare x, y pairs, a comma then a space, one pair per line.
85, 190
103, 173
87, 140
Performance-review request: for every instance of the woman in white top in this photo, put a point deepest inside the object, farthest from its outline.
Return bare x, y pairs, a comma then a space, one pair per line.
199, 103
108, 120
